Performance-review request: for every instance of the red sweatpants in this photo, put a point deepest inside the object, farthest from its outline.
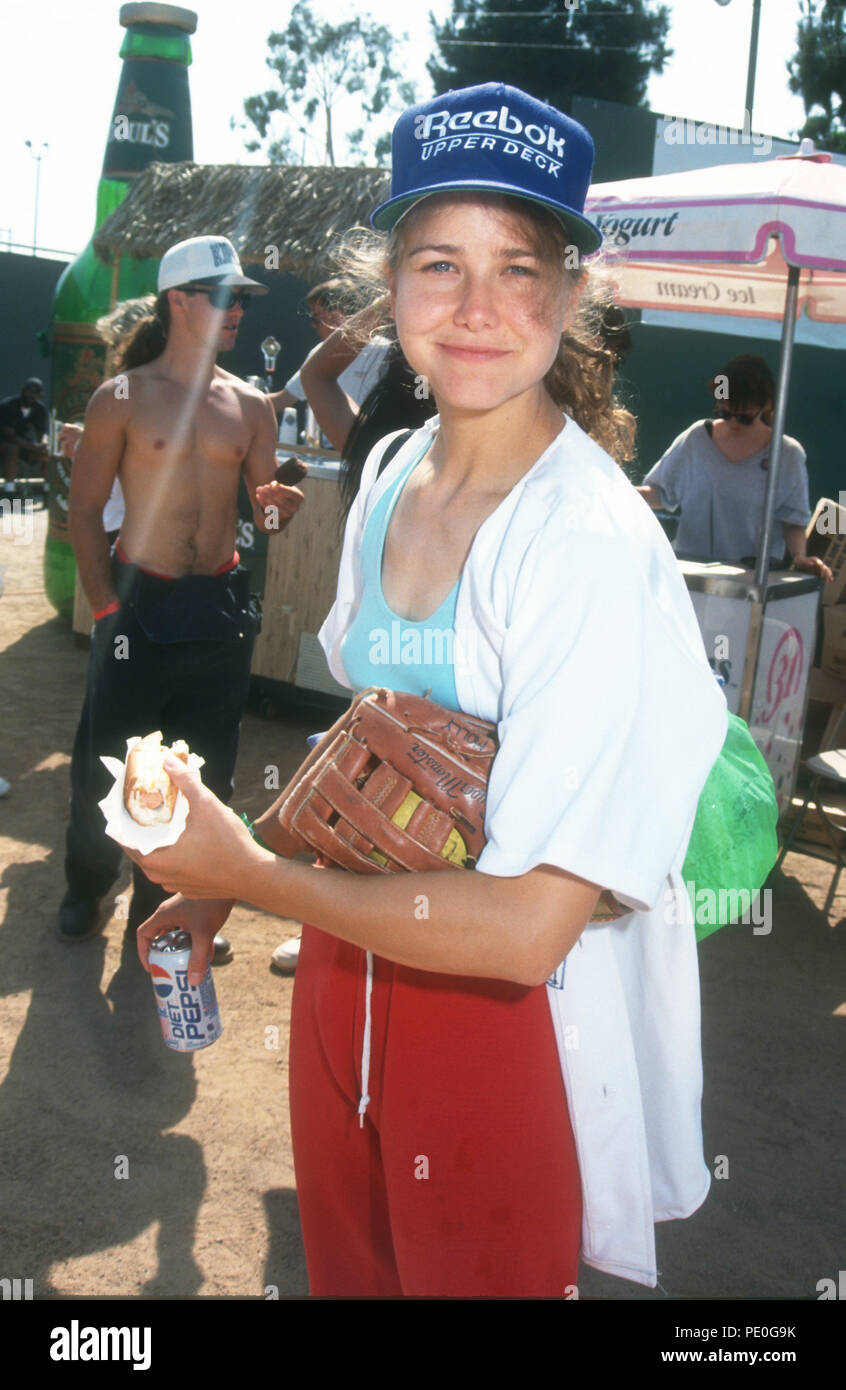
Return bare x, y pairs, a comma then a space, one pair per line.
463, 1181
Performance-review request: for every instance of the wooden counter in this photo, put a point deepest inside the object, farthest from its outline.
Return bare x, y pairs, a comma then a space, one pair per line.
300, 582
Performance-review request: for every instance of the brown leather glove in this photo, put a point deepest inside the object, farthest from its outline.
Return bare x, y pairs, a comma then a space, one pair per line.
399, 785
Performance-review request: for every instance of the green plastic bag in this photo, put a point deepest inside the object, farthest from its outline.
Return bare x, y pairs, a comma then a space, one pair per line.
734, 843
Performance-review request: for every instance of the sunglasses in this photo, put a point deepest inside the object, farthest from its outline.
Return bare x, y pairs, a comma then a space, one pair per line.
220, 296
742, 417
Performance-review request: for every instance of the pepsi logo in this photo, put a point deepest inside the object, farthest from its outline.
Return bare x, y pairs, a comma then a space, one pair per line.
162, 981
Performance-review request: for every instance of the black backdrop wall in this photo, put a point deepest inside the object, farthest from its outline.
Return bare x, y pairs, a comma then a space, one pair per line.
26, 296
27, 284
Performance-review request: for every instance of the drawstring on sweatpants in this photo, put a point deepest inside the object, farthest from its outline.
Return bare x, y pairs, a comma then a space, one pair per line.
365, 1043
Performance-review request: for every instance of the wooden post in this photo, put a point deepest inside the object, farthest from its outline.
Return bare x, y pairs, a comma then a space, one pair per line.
113, 294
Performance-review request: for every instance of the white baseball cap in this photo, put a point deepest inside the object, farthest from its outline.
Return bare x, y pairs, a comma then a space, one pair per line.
210, 260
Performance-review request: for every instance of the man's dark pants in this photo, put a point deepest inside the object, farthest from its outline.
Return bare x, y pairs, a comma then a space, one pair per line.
176, 657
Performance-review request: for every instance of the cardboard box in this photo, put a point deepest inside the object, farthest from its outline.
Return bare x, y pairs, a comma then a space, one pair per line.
826, 533
833, 659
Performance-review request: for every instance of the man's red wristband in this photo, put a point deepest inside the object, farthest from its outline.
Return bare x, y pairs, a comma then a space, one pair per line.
104, 612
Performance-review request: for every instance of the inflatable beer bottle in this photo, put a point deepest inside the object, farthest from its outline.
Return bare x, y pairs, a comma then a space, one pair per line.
151, 121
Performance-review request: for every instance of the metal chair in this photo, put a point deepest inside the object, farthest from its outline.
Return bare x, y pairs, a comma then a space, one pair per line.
828, 766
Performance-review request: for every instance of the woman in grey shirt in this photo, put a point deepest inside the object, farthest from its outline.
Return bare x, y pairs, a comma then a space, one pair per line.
716, 473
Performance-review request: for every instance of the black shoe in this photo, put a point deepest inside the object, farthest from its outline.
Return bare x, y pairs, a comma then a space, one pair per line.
79, 918
146, 897
222, 949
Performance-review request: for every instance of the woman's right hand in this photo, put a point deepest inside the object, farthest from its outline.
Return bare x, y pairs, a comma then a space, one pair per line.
203, 918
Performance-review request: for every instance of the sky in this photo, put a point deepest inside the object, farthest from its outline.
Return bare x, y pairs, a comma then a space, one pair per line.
61, 69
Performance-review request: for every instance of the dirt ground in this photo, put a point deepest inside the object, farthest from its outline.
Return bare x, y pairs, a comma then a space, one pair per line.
130, 1171
208, 1206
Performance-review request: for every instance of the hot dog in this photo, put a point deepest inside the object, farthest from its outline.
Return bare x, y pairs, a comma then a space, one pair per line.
148, 793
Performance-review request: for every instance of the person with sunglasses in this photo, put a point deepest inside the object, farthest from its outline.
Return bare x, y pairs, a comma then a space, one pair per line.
173, 621
715, 472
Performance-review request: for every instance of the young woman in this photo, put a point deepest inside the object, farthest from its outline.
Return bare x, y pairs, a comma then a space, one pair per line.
716, 473
480, 1079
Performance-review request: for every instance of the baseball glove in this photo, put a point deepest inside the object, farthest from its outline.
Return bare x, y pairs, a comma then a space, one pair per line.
399, 785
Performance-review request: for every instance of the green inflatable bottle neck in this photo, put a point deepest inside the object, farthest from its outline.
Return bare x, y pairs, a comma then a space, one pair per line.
151, 120
110, 195
157, 41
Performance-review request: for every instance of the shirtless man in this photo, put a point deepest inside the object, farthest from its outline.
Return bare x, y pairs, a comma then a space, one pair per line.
173, 626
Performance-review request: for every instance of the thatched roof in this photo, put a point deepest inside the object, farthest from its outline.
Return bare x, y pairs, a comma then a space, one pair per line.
302, 211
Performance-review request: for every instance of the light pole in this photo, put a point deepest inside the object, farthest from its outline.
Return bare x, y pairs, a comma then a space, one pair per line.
753, 58
42, 150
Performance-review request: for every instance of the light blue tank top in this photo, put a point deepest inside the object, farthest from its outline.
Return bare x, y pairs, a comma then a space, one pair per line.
380, 647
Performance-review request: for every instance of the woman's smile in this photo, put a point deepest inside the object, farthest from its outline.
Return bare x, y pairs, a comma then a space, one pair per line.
466, 352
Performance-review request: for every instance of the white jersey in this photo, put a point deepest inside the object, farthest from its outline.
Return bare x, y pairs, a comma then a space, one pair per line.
114, 508
575, 634
359, 378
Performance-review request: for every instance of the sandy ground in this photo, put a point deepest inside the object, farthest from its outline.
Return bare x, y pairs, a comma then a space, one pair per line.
207, 1205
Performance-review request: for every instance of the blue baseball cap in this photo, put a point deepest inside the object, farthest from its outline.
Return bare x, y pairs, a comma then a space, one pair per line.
495, 139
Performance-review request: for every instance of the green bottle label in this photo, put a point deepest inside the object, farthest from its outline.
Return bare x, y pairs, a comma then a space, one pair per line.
151, 119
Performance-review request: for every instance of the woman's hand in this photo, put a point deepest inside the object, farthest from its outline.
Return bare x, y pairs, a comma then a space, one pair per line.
214, 855
202, 919
813, 564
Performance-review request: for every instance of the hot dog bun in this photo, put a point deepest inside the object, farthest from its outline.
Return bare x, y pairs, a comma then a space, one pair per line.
148, 793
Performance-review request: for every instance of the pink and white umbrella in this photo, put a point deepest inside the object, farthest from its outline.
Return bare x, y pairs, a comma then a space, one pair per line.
761, 239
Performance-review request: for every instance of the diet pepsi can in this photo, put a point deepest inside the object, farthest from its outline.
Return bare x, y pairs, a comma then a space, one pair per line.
189, 1014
